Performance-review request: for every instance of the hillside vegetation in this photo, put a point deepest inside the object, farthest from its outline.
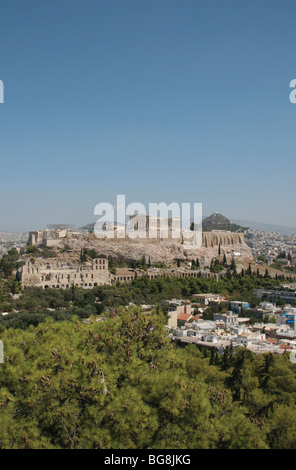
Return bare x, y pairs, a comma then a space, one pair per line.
120, 383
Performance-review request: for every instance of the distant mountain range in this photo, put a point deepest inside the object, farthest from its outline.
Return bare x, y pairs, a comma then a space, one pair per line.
267, 227
88, 227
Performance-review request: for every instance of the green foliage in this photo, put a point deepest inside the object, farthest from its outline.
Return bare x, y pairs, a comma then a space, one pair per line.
68, 382
93, 254
8, 263
261, 258
83, 256
48, 252
139, 291
119, 383
32, 250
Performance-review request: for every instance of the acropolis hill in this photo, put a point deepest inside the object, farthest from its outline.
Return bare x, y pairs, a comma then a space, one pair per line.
159, 250
64, 265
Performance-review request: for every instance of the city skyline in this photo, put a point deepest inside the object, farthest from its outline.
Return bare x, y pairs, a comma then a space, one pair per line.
161, 101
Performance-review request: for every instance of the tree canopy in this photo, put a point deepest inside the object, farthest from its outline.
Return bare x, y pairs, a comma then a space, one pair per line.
121, 383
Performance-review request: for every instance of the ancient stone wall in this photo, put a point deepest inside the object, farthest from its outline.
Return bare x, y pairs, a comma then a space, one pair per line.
209, 239
48, 237
215, 238
57, 274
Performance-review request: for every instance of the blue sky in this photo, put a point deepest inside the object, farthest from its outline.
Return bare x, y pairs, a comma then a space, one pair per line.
160, 100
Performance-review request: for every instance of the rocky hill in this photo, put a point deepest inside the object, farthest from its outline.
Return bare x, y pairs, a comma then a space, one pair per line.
220, 222
162, 252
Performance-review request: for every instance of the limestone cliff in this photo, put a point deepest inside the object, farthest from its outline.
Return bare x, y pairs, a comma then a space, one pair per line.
165, 252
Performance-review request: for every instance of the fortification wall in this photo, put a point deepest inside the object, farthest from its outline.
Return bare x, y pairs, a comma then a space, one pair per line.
223, 238
209, 239
57, 274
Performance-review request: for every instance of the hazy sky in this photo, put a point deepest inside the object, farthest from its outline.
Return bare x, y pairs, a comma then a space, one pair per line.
160, 100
